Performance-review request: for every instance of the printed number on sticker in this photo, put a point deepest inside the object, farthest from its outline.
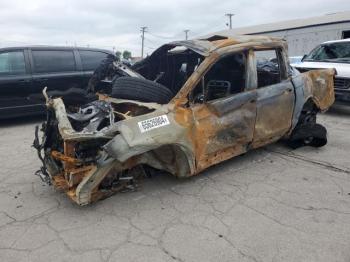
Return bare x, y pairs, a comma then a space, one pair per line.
153, 123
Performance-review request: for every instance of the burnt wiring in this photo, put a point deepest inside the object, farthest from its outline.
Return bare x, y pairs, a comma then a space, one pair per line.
42, 172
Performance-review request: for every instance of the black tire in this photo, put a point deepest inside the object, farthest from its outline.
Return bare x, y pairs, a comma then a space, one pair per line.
314, 135
307, 132
143, 90
319, 136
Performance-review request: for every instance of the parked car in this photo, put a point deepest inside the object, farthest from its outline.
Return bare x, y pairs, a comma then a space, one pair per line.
188, 106
295, 60
25, 71
332, 54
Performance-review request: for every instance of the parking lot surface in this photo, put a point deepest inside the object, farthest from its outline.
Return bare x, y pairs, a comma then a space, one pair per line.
271, 204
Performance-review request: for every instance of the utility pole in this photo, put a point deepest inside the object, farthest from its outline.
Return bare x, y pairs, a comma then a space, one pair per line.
143, 30
230, 17
186, 33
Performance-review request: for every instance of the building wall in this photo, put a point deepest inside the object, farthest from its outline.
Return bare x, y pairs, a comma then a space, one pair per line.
301, 41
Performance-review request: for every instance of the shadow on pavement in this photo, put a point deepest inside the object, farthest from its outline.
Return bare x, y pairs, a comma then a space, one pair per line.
340, 109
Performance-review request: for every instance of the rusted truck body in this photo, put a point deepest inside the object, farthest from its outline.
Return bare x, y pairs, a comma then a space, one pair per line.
207, 121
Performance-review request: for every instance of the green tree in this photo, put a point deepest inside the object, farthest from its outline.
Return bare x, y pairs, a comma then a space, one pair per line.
126, 54
118, 54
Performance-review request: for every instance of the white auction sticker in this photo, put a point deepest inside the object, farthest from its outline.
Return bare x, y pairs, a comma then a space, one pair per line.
153, 123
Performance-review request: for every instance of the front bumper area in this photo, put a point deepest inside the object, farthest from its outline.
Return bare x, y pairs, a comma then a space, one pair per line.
75, 163
342, 95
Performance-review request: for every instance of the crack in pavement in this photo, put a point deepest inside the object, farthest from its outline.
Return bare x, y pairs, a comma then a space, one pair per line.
312, 161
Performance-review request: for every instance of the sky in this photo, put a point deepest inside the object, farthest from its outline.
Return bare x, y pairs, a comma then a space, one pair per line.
115, 24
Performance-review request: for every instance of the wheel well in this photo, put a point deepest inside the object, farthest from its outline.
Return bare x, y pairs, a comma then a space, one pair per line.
300, 109
310, 105
308, 113
172, 158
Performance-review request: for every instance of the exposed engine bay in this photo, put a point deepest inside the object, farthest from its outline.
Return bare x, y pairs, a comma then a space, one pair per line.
71, 157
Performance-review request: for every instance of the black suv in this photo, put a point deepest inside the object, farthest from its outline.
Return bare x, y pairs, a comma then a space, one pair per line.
25, 71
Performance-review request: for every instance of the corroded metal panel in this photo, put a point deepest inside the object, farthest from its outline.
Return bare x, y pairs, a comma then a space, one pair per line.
225, 125
275, 106
315, 85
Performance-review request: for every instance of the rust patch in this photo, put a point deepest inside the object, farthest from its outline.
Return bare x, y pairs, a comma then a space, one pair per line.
75, 175
319, 85
60, 183
68, 160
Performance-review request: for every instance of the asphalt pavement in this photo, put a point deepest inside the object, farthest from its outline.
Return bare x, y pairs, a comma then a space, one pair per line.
271, 204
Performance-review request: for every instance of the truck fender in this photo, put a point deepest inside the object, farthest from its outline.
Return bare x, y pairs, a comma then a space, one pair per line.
314, 85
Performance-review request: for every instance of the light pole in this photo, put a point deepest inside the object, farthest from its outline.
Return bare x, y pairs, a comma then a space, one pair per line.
143, 30
186, 33
230, 18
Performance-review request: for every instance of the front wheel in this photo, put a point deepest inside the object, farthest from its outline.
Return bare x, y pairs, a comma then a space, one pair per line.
308, 135
307, 132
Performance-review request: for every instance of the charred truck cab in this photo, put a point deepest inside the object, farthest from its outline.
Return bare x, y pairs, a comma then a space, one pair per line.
190, 105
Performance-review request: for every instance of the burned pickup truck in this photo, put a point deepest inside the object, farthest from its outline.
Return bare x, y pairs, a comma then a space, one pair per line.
188, 106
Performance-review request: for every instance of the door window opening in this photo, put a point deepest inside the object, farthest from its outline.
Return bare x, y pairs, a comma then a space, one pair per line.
226, 77
268, 68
